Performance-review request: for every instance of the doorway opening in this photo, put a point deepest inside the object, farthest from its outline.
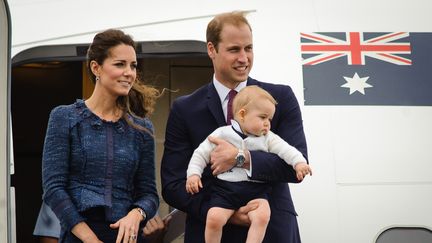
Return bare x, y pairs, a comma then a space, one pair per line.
40, 83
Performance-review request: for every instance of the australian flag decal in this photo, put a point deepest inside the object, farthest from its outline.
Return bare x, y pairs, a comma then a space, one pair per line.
367, 68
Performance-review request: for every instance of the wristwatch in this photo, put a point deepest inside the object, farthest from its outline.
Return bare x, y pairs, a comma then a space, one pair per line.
240, 158
143, 214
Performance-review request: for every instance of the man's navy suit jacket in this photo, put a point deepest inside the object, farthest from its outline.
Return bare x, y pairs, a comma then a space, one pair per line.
192, 118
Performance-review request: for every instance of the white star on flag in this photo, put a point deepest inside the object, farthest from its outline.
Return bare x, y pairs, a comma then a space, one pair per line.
356, 84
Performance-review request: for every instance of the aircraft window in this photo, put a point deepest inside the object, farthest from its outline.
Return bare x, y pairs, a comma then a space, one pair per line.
405, 234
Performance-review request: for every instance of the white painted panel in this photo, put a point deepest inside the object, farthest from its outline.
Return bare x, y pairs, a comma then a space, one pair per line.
364, 211
382, 144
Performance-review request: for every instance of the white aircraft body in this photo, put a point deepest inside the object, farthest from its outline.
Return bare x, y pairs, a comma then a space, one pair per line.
372, 164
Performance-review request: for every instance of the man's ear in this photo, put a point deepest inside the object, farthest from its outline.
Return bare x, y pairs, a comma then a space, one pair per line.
211, 50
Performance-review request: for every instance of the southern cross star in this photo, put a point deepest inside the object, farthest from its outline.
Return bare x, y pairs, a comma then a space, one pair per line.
356, 84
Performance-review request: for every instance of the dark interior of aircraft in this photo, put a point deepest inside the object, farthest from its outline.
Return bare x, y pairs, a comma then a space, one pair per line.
36, 89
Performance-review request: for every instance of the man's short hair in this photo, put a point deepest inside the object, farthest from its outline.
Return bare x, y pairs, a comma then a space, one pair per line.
215, 26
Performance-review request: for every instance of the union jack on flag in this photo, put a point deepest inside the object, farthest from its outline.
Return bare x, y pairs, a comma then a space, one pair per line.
388, 47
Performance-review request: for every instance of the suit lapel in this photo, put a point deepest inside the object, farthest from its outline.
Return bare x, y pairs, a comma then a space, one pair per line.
214, 105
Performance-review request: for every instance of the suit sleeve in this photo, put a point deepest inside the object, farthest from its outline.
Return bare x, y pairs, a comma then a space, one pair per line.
289, 126
177, 153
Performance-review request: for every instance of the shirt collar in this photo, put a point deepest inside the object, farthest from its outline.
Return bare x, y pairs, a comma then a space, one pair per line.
223, 91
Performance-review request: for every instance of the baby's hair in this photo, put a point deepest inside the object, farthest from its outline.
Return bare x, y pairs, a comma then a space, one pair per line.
248, 94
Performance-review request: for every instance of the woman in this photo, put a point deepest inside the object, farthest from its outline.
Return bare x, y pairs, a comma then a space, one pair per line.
98, 162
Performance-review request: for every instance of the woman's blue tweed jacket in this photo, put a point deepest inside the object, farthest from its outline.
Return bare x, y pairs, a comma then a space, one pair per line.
88, 162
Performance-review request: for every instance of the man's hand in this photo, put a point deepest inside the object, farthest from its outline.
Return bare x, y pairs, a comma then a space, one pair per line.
222, 158
240, 217
155, 229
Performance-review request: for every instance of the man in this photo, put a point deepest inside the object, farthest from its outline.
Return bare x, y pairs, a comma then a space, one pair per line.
195, 116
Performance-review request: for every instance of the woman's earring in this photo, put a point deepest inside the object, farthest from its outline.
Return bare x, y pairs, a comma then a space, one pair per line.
97, 78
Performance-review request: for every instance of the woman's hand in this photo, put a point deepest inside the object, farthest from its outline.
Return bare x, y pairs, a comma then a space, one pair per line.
84, 233
128, 227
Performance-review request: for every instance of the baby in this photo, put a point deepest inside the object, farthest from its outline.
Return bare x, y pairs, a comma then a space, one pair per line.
253, 110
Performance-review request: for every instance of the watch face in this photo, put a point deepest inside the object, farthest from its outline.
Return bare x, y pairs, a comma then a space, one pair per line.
240, 159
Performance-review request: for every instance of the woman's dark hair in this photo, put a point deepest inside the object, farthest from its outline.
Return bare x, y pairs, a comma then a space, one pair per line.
102, 44
141, 98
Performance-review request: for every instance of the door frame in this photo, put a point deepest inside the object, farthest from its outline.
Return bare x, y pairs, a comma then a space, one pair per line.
6, 231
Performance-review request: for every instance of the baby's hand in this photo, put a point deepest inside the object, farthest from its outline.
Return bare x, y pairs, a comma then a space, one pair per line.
302, 169
193, 184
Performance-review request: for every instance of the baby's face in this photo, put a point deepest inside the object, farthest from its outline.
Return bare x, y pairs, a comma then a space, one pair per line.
258, 117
